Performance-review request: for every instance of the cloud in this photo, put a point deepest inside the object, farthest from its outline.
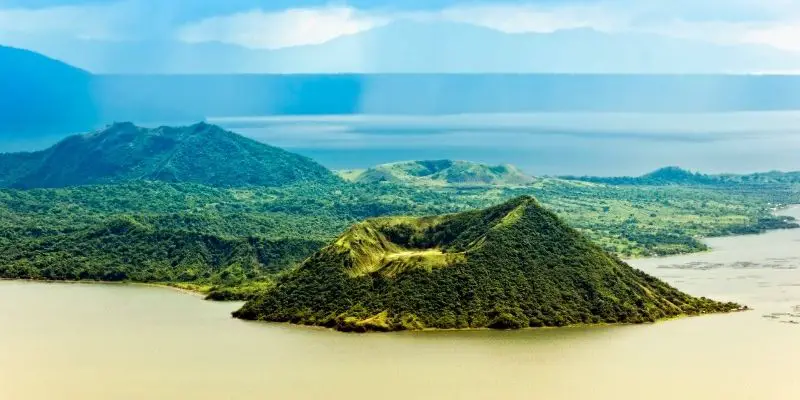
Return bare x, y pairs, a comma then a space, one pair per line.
786, 36
287, 28
773, 23
303, 26
101, 21
271, 25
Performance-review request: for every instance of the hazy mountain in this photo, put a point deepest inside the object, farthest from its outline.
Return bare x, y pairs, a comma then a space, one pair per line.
510, 266
47, 99
432, 47
453, 47
42, 94
441, 173
200, 153
673, 175
151, 57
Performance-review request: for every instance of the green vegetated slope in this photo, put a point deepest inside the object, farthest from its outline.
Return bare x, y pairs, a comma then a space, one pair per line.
441, 173
513, 265
180, 192
200, 153
43, 231
145, 231
123, 248
634, 221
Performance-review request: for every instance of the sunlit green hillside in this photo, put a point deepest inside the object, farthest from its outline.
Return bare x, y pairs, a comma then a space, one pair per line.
513, 265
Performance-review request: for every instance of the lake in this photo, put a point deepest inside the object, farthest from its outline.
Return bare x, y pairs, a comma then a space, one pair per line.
543, 143
575, 143
94, 341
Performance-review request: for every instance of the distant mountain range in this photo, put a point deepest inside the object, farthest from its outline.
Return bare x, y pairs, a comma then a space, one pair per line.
202, 153
431, 47
462, 63
673, 175
42, 94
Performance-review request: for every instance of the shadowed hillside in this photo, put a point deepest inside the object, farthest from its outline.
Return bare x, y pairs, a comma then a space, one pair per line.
124, 249
200, 153
42, 95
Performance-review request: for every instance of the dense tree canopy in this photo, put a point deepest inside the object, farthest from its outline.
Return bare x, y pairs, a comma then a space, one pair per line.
510, 266
123, 152
202, 206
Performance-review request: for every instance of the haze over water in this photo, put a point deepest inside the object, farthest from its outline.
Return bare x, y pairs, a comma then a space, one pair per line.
88, 341
568, 143
543, 143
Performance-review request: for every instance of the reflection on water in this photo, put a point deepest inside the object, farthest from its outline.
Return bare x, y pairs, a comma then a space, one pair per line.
76, 341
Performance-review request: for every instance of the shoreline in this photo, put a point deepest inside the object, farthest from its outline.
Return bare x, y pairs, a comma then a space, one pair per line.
201, 295
487, 329
201, 291
776, 212
185, 290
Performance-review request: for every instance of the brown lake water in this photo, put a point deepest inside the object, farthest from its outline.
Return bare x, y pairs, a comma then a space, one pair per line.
92, 341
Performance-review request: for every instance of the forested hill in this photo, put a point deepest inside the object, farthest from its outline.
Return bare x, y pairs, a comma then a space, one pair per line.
513, 265
678, 176
441, 173
671, 175
200, 153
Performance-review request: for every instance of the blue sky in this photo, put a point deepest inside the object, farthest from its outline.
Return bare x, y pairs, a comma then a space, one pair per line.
274, 24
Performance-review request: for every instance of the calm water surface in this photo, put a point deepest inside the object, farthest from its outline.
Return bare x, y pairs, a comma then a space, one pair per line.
81, 341
543, 143
573, 143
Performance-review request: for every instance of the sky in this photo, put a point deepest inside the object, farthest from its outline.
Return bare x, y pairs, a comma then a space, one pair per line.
275, 24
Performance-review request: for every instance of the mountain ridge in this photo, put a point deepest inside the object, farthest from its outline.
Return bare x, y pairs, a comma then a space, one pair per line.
50, 99
42, 94
674, 175
435, 47
200, 153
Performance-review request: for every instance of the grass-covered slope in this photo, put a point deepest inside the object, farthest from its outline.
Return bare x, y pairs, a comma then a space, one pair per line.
509, 266
201, 153
441, 173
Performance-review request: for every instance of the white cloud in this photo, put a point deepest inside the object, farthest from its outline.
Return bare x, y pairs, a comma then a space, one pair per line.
93, 21
773, 23
782, 36
765, 22
302, 26
287, 28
